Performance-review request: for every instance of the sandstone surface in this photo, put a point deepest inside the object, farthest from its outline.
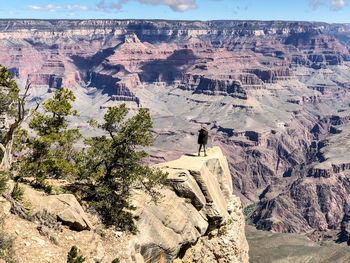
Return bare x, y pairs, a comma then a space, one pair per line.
64, 206
200, 205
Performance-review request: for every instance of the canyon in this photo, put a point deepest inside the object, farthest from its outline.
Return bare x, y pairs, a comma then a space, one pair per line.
275, 96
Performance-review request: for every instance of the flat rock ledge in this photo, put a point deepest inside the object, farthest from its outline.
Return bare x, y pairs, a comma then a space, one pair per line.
197, 218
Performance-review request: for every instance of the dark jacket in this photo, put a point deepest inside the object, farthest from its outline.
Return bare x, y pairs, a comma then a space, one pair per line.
203, 136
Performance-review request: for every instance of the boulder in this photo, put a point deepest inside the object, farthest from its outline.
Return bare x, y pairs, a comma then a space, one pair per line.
68, 210
64, 206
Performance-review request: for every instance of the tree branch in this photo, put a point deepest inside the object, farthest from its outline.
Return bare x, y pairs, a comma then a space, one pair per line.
20, 117
2, 147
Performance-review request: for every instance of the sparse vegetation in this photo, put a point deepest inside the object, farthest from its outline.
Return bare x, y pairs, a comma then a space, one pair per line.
188, 200
100, 231
3, 181
248, 212
56, 190
116, 260
166, 221
6, 242
73, 256
17, 192
223, 230
11, 116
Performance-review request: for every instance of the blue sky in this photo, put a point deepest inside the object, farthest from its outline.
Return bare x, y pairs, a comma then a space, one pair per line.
331, 11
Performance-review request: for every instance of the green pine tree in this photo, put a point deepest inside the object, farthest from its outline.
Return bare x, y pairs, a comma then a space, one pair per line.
52, 150
113, 164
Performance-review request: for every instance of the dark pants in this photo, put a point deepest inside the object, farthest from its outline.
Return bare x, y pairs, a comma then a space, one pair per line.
200, 147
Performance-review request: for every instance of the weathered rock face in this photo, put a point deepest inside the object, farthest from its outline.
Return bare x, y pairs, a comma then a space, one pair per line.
64, 206
212, 86
202, 204
344, 234
223, 245
274, 95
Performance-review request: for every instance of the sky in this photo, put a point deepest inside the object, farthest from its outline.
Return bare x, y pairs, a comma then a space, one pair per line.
330, 11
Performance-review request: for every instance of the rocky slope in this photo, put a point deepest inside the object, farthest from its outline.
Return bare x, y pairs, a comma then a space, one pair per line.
275, 96
197, 219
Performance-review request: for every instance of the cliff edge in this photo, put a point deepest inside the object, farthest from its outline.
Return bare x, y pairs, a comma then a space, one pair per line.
198, 220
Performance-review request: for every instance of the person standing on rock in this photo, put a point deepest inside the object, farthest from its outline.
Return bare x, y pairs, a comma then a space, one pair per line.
202, 140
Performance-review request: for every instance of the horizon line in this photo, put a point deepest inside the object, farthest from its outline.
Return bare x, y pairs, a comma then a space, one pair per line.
170, 20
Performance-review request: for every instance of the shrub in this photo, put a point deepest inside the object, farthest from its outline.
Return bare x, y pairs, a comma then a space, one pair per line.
72, 256
3, 181
248, 212
17, 193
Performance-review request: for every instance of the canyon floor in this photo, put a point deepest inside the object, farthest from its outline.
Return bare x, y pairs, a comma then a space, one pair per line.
267, 247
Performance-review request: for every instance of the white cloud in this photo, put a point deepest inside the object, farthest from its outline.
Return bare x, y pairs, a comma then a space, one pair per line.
337, 4
314, 4
54, 8
35, 7
176, 5
77, 7
102, 5
334, 5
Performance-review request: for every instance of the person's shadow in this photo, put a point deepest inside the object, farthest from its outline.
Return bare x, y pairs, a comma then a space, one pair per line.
190, 154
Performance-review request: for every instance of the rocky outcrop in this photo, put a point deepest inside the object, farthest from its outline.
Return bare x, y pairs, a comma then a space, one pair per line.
64, 206
41, 79
271, 75
198, 221
210, 85
221, 245
344, 234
